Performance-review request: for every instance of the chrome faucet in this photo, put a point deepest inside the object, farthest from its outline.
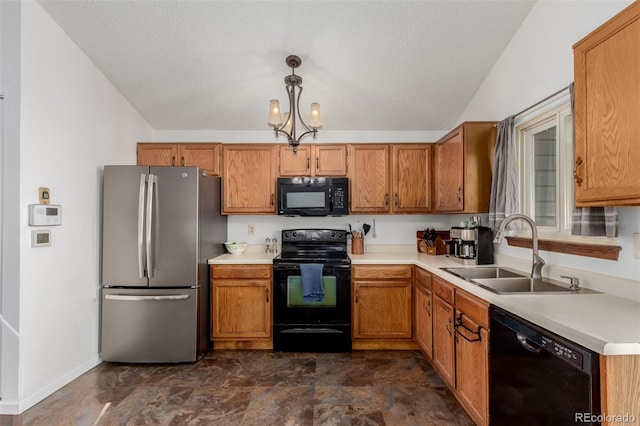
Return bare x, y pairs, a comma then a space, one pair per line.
538, 263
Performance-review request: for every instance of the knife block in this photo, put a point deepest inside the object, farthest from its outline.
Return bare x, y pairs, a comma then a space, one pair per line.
439, 247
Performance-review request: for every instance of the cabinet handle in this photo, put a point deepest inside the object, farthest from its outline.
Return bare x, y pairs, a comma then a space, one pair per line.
308, 163
267, 295
317, 163
386, 199
182, 160
577, 178
173, 160
356, 295
397, 201
428, 308
459, 193
273, 199
449, 326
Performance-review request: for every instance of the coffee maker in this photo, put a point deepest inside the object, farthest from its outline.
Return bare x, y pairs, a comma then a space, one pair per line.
471, 246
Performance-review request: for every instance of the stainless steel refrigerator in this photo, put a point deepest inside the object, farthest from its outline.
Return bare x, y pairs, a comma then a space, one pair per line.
160, 225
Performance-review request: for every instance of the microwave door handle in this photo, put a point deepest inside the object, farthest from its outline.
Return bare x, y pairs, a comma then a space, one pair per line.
149, 227
141, 214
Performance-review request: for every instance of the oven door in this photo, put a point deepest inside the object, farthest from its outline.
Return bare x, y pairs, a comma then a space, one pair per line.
290, 307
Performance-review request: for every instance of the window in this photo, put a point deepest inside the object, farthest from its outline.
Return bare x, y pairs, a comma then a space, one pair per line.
545, 167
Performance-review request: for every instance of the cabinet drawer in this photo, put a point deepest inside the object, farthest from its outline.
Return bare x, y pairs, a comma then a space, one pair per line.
241, 271
382, 272
474, 308
443, 289
423, 278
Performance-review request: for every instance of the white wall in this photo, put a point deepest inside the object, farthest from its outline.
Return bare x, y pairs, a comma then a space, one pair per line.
72, 122
537, 62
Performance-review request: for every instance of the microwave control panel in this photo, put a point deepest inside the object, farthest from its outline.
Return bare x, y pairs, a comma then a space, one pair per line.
339, 198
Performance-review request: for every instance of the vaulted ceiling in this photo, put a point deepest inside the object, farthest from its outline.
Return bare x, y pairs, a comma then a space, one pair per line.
372, 65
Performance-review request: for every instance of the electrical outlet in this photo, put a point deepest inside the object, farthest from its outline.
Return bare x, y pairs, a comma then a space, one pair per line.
251, 229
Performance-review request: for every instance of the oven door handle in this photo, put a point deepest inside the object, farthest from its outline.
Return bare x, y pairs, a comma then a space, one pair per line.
311, 331
528, 346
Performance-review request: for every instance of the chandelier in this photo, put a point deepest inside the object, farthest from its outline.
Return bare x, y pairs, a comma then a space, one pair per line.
293, 83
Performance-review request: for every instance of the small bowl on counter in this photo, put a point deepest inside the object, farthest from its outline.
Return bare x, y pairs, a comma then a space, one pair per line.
235, 248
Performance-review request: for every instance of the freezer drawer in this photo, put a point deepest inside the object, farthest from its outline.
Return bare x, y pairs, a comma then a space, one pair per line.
149, 325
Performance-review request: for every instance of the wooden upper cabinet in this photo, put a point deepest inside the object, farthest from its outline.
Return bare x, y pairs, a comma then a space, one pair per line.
157, 154
411, 178
463, 168
249, 179
313, 160
606, 111
369, 172
330, 160
203, 155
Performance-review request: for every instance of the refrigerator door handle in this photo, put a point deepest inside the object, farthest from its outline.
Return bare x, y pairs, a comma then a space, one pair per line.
149, 224
141, 256
136, 298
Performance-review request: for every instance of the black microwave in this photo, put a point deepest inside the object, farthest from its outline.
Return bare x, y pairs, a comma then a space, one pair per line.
313, 196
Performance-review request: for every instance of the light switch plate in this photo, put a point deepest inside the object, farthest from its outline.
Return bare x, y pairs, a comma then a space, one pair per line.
40, 238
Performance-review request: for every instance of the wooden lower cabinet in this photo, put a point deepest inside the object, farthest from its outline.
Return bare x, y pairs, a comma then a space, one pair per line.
443, 343
382, 307
241, 307
472, 368
423, 312
461, 346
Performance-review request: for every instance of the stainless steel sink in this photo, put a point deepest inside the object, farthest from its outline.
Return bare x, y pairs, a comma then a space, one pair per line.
473, 273
521, 285
507, 281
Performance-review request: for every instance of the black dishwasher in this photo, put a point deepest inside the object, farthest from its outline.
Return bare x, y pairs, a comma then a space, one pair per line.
539, 378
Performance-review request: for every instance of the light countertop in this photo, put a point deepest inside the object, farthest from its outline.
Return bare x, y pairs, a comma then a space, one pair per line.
604, 323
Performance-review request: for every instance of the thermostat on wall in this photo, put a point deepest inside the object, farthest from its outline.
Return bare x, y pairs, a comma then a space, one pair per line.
41, 238
45, 215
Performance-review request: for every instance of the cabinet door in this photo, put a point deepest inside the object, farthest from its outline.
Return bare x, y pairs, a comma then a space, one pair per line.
241, 309
369, 178
412, 178
449, 176
298, 164
330, 160
249, 179
203, 155
382, 309
443, 343
472, 368
157, 154
423, 312
607, 107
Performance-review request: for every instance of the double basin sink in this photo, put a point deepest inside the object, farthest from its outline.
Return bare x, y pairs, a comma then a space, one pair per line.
507, 281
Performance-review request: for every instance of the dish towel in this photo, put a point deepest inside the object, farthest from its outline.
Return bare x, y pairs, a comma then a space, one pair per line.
311, 277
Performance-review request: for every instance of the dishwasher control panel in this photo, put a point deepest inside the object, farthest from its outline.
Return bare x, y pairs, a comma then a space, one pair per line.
562, 351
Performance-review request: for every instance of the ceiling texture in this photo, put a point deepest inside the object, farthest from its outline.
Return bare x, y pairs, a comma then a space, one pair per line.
372, 65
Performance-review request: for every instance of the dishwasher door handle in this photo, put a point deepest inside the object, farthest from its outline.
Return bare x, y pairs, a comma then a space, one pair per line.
528, 346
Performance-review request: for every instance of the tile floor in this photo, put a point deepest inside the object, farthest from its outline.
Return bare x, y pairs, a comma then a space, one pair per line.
256, 388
